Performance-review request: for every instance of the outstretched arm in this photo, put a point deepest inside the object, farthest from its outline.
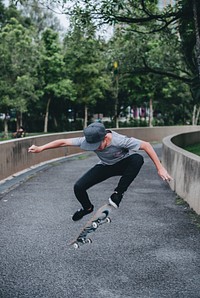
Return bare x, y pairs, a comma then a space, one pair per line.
162, 172
51, 145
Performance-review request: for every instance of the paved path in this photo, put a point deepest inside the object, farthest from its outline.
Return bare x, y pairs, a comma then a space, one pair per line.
150, 250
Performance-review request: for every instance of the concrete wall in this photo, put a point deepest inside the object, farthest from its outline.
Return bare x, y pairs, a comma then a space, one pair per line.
14, 156
183, 166
155, 134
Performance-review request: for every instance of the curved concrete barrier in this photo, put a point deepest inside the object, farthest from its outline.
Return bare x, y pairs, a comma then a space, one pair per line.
14, 156
183, 166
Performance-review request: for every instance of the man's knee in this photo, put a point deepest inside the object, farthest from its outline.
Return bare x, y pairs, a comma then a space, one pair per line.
77, 187
137, 159
140, 159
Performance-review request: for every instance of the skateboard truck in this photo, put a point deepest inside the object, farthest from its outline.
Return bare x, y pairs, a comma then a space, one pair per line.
81, 241
100, 217
95, 224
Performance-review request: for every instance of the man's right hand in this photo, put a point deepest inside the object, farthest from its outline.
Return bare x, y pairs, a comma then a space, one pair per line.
35, 149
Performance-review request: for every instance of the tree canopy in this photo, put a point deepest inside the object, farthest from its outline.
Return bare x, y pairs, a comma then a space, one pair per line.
151, 59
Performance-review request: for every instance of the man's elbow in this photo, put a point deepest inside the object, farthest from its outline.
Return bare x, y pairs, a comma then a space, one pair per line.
145, 146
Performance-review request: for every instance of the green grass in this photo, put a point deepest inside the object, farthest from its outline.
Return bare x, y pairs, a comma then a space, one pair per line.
194, 217
193, 149
181, 202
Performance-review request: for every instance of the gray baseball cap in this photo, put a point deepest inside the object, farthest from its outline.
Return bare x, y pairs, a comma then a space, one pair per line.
94, 135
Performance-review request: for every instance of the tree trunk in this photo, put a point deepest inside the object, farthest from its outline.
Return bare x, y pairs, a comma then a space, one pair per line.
195, 115
46, 119
85, 116
150, 113
197, 32
5, 128
19, 121
55, 122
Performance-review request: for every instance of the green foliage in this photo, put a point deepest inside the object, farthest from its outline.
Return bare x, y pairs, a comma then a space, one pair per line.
134, 52
51, 71
193, 148
17, 63
85, 65
43, 77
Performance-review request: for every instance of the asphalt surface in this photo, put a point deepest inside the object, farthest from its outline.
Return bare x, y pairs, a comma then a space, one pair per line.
151, 249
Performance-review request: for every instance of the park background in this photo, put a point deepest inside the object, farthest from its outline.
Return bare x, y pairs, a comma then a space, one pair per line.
143, 72
125, 63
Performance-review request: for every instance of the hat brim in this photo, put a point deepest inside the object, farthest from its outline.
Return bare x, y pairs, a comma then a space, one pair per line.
90, 146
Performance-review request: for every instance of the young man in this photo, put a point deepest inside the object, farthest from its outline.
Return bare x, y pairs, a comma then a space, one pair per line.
117, 158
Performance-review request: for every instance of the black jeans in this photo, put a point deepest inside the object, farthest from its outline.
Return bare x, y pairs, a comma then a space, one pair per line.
127, 168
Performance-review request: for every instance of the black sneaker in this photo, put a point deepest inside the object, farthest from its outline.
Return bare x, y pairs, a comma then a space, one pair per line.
82, 212
115, 199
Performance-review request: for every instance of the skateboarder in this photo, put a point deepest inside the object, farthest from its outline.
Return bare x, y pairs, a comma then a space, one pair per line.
117, 158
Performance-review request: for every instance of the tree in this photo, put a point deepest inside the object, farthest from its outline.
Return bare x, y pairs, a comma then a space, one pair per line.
135, 52
53, 81
155, 43
18, 60
86, 66
143, 16
189, 29
38, 15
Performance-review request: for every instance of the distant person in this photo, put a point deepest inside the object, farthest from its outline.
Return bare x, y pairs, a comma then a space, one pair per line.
117, 158
20, 133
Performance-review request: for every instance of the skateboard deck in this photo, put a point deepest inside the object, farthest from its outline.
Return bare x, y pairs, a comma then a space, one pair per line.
99, 218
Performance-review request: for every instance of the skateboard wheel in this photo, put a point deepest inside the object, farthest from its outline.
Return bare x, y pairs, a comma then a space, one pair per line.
95, 225
76, 245
89, 240
108, 219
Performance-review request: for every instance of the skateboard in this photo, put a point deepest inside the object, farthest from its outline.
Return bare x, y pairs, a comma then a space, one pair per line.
99, 218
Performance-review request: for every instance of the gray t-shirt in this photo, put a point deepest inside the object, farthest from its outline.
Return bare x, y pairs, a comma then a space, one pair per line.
120, 147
